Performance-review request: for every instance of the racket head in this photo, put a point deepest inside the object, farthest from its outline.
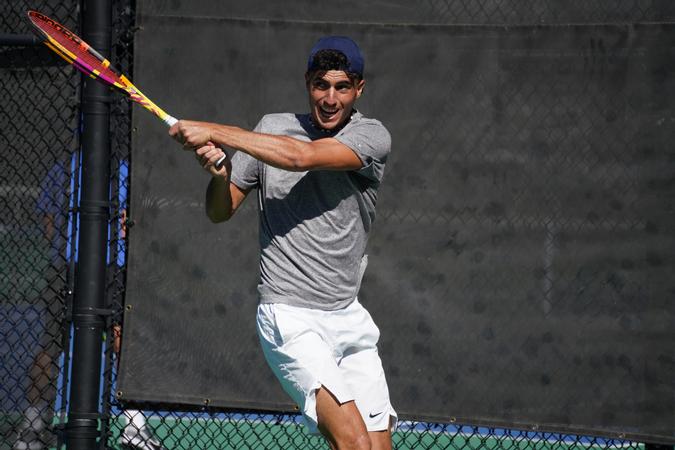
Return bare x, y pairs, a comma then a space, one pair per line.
75, 51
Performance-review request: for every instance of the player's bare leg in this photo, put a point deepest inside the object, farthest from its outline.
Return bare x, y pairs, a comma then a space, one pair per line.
342, 425
380, 440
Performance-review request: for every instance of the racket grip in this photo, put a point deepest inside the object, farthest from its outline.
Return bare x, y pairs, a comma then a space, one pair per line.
222, 159
220, 162
170, 120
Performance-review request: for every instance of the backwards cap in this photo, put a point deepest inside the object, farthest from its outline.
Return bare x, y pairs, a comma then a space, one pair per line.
342, 44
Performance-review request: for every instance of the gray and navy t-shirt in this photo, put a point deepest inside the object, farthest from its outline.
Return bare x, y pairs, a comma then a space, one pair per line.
314, 225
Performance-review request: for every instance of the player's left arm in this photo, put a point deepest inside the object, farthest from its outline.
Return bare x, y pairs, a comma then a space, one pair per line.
279, 151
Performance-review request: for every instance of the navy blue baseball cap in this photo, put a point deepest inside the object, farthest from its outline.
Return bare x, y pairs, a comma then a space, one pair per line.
342, 44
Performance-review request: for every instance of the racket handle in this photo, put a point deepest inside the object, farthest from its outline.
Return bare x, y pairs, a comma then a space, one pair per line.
220, 162
170, 120
222, 159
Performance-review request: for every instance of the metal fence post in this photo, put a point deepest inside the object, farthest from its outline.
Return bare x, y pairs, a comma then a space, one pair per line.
88, 322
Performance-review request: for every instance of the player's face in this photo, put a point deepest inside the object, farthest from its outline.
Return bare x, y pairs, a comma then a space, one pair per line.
331, 97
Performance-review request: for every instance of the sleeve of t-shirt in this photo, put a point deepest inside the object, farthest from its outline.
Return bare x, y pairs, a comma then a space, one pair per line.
245, 168
371, 142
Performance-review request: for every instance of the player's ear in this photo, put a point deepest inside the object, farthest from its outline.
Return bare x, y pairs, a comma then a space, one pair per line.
308, 78
359, 88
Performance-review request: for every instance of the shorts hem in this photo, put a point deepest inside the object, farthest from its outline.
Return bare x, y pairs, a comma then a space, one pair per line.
390, 424
309, 410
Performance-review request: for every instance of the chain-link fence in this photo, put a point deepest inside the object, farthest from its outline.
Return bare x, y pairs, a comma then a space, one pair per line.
555, 12
39, 140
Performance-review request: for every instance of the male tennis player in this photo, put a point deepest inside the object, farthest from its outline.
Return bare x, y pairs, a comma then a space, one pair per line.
317, 177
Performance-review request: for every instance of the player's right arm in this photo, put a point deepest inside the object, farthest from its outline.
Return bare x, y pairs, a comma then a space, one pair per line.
222, 196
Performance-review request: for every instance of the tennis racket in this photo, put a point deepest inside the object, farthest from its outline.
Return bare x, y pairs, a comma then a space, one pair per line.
75, 51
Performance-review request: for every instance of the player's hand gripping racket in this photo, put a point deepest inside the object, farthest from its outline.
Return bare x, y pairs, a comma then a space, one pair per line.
75, 51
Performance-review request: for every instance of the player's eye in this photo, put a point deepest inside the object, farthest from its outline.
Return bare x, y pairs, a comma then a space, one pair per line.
320, 84
343, 87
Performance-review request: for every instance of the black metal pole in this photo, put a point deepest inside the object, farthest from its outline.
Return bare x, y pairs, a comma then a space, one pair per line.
83, 407
11, 40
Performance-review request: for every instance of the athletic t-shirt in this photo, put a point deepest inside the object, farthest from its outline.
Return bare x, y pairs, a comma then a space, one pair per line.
314, 225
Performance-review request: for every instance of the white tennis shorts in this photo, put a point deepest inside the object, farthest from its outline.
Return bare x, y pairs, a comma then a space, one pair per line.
309, 348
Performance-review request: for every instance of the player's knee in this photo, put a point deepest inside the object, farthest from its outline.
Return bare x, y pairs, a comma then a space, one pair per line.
356, 441
364, 442
347, 439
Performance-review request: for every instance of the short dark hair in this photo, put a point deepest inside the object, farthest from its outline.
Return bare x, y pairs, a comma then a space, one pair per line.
325, 60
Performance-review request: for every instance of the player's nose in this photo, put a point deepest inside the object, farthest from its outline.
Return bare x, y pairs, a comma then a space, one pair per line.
331, 96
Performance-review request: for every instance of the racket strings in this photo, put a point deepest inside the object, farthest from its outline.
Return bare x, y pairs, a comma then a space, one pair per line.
74, 50
81, 55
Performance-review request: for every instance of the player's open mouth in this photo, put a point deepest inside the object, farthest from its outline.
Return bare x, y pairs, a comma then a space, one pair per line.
327, 114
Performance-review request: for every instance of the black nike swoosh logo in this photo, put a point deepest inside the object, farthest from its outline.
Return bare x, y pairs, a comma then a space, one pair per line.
371, 415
